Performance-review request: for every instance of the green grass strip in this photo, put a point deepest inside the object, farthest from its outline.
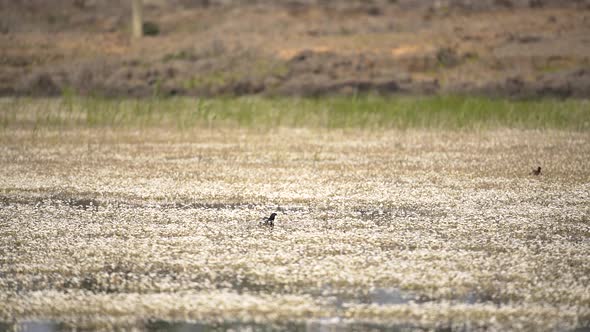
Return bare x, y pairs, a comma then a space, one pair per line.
370, 112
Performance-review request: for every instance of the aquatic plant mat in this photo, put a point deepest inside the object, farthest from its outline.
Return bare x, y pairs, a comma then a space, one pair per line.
376, 229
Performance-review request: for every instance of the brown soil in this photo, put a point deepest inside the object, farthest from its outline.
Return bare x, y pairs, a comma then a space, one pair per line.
496, 47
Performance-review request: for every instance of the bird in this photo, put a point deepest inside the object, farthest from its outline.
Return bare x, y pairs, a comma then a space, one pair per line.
270, 221
536, 171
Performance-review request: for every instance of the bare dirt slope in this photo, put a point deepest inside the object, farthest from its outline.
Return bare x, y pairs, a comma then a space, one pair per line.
514, 48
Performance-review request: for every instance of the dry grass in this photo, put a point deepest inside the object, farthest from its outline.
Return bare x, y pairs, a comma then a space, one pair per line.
409, 228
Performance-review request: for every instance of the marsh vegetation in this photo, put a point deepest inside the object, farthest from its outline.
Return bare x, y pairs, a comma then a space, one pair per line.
256, 113
139, 217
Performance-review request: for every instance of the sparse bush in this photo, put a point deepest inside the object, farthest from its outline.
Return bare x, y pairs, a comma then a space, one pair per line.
448, 57
151, 28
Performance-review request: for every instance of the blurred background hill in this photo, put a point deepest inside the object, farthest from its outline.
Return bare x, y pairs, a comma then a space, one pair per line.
519, 48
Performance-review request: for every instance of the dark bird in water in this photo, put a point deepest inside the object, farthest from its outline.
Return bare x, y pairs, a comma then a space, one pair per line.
270, 221
536, 171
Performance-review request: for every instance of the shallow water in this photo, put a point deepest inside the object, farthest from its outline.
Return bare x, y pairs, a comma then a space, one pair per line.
412, 230
322, 325
329, 324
